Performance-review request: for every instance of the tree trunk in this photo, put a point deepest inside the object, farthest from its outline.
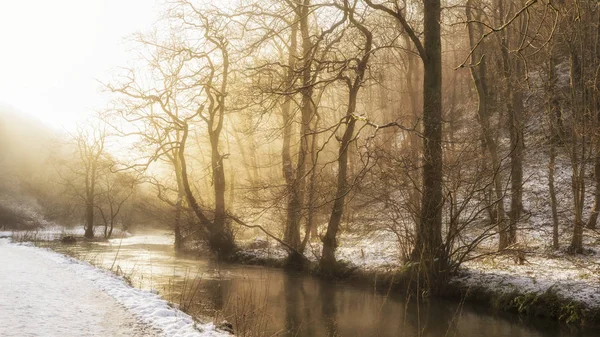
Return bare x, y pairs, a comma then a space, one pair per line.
596, 209
179, 204
596, 96
89, 219
429, 232
517, 145
328, 261
514, 108
478, 73
554, 135
218, 175
516, 164
287, 120
551, 168
414, 141
112, 226
219, 236
177, 224
311, 227
90, 194
287, 165
578, 151
296, 198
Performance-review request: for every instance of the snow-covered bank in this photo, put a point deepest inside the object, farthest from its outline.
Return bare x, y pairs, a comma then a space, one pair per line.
50, 233
370, 252
574, 279
46, 293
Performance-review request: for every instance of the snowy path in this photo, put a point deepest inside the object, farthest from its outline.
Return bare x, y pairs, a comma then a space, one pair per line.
38, 298
43, 293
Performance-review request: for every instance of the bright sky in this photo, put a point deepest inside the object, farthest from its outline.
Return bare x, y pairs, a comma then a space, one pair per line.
53, 52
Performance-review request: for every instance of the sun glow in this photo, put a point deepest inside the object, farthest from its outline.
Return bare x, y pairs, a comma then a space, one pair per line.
55, 53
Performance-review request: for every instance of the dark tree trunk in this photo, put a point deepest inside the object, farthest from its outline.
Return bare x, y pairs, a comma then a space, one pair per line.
551, 169
578, 150
220, 235
428, 242
112, 226
90, 184
429, 232
516, 163
554, 135
89, 219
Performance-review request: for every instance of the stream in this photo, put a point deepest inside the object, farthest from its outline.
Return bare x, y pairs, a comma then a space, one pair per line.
275, 302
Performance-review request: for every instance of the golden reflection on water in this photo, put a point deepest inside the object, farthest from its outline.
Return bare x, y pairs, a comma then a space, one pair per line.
273, 302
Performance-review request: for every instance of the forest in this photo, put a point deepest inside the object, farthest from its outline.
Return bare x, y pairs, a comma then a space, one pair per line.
443, 148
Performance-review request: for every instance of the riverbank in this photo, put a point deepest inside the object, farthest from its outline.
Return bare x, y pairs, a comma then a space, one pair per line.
45, 293
549, 284
267, 301
546, 283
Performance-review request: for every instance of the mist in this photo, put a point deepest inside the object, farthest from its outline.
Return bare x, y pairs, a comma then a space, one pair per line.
437, 143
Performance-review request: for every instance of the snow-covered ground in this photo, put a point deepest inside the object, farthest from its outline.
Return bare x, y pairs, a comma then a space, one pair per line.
43, 293
574, 278
54, 232
372, 251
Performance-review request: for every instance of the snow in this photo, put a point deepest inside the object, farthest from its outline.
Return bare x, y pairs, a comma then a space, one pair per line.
49, 294
53, 232
372, 251
574, 278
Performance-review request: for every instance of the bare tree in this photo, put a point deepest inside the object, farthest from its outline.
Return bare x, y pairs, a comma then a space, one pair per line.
82, 175
429, 230
117, 188
354, 81
195, 84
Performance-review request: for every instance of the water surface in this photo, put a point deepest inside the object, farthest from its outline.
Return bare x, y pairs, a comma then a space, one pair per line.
274, 302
